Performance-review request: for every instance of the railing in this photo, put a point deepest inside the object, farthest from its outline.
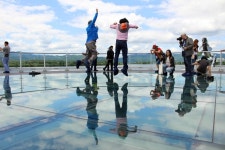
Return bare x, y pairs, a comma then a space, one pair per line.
133, 58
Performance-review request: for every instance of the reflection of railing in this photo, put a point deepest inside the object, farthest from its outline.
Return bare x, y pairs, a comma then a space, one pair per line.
133, 58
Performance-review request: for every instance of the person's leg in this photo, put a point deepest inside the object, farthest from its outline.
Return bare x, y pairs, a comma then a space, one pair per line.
111, 65
107, 65
185, 64
164, 69
124, 53
91, 47
170, 70
95, 64
209, 69
117, 53
5, 62
188, 66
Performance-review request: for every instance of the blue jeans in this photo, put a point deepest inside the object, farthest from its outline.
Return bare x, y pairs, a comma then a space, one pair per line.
168, 69
5, 61
188, 65
121, 45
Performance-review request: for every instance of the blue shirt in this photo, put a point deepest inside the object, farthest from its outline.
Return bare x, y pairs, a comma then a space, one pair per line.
92, 30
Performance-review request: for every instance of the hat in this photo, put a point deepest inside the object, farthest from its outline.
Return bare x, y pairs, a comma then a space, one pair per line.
154, 47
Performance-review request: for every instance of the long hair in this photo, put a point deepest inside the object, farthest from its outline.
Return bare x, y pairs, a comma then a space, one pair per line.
196, 43
170, 53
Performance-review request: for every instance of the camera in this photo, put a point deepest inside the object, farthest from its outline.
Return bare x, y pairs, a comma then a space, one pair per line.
210, 78
180, 41
152, 51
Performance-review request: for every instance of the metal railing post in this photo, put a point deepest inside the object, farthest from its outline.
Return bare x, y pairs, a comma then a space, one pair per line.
20, 57
66, 62
44, 70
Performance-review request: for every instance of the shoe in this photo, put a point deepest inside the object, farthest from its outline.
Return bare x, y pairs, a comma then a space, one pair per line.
124, 88
34, 73
177, 110
88, 71
115, 72
6, 72
194, 73
156, 71
78, 91
165, 73
78, 63
124, 72
187, 74
95, 70
198, 74
171, 74
104, 69
115, 87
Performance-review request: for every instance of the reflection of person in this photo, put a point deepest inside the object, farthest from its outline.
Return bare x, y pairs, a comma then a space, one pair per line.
158, 91
169, 87
121, 43
109, 83
109, 58
188, 97
202, 83
5, 59
91, 93
7, 88
122, 128
91, 51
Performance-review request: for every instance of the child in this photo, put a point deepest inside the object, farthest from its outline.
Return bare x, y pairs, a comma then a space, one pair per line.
109, 58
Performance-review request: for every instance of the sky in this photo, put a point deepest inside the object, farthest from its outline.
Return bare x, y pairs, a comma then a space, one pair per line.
59, 26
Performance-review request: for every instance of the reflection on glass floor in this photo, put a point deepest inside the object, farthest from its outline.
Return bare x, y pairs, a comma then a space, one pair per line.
102, 111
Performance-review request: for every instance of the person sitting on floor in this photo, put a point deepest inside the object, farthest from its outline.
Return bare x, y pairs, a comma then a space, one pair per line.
204, 68
169, 65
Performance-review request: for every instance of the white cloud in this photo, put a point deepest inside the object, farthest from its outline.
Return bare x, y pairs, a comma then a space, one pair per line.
41, 27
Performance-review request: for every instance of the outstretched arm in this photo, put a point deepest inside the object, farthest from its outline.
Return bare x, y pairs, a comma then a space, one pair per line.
133, 26
95, 17
114, 25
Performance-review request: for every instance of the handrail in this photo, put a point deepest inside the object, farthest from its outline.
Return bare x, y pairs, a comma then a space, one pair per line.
151, 58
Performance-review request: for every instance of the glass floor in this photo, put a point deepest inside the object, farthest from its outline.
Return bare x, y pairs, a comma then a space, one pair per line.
101, 111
